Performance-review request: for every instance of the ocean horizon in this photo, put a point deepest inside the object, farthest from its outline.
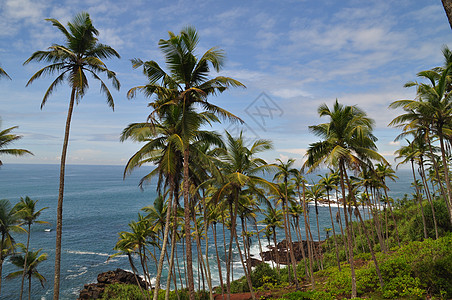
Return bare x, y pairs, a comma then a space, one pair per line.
98, 204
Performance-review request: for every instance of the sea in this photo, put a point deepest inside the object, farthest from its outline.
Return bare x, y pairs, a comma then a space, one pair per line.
98, 204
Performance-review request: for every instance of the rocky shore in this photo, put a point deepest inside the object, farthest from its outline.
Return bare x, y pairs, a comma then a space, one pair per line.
281, 250
95, 290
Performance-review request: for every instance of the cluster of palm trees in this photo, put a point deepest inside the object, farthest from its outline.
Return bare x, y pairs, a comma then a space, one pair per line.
12, 219
227, 180
205, 179
427, 119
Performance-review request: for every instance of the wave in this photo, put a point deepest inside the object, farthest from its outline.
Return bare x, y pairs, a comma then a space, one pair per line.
92, 253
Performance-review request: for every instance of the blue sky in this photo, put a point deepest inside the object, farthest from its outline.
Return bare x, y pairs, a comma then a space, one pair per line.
291, 55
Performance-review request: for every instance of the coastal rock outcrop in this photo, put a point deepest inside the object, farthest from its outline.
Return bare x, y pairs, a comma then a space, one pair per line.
95, 290
282, 248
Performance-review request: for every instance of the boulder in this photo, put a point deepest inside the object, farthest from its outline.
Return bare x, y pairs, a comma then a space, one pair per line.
95, 290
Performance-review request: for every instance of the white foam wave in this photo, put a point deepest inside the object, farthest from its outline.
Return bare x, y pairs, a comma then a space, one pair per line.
92, 253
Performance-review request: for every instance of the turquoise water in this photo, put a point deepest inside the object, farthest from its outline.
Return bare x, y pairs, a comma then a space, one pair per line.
98, 204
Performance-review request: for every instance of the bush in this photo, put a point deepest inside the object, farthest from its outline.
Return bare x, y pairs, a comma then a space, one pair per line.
264, 275
299, 295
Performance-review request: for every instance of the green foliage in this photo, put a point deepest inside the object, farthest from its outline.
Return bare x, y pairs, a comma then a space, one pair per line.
122, 292
302, 295
132, 292
263, 276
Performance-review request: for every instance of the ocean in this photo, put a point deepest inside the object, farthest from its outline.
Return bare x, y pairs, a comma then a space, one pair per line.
98, 204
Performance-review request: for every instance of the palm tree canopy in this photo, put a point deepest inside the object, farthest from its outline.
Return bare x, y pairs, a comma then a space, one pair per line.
34, 258
7, 138
346, 137
26, 210
80, 54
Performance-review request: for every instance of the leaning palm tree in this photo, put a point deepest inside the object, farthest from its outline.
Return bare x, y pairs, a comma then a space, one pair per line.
188, 79
28, 261
6, 138
81, 54
347, 142
27, 212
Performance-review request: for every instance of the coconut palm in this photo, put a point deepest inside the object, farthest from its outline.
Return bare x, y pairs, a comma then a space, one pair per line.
240, 168
28, 261
283, 174
272, 220
6, 138
328, 183
81, 55
187, 76
9, 221
433, 109
28, 213
347, 142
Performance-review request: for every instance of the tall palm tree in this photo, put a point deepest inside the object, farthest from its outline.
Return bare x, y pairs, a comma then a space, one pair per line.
347, 142
28, 214
283, 174
433, 109
6, 138
81, 54
240, 167
9, 221
328, 183
28, 261
188, 77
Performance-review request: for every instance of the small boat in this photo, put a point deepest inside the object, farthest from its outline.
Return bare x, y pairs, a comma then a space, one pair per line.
47, 229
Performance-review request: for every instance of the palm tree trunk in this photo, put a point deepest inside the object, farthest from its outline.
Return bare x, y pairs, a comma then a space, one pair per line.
360, 219
306, 226
276, 250
300, 239
134, 271
59, 225
393, 218
165, 241
419, 196
429, 197
318, 233
347, 227
171, 262
289, 235
447, 4
29, 288
189, 259
334, 233
214, 229
25, 262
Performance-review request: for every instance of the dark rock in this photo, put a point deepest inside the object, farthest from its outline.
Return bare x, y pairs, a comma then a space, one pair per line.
282, 249
95, 290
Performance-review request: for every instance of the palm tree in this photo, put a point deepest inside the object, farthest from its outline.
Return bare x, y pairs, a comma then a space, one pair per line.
81, 54
6, 138
347, 142
28, 214
432, 109
328, 184
239, 168
188, 79
272, 220
447, 4
285, 171
29, 262
8, 223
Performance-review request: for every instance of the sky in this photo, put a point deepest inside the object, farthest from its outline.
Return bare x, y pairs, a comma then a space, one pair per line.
292, 56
